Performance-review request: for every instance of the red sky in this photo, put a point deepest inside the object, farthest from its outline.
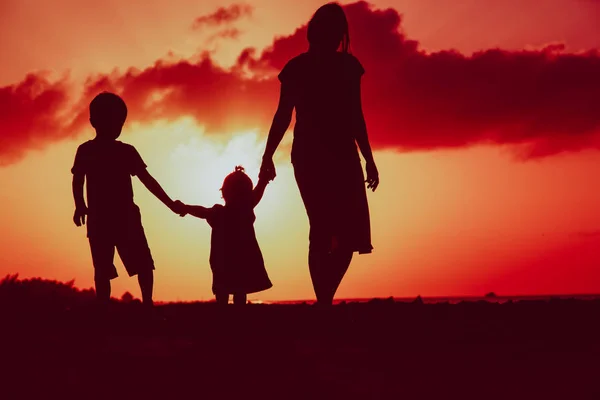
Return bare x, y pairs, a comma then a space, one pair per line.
484, 117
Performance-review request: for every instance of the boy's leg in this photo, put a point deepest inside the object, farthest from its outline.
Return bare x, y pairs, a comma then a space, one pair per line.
146, 281
136, 256
103, 252
240, 299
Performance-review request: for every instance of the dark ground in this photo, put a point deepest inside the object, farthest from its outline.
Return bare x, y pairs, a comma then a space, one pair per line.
377, 350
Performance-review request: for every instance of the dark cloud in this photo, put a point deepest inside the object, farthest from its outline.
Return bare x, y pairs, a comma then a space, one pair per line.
223, 15
219, 99
229, 33
545, 100
30, 116
540, 102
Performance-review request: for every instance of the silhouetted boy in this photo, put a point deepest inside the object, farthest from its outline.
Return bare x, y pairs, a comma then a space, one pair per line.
114, 220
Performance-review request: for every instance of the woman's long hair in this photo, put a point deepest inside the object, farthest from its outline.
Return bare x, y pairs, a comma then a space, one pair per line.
328, 29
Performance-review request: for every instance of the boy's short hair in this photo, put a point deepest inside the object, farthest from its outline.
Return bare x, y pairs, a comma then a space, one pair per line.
108, 107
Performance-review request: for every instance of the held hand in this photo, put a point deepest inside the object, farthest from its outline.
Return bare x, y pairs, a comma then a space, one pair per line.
179, 208
262, 181
79, 216
372, 176
267, 170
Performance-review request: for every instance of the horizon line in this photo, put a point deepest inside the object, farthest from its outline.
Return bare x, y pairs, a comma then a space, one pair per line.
409, 298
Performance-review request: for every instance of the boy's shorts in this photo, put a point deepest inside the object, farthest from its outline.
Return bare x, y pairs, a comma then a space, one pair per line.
130, 242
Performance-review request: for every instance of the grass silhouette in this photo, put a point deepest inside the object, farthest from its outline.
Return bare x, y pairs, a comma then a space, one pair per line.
56, 342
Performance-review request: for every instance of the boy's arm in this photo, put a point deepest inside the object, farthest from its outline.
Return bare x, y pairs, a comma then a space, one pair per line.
259, 190
155, 188
78, 171
80, 207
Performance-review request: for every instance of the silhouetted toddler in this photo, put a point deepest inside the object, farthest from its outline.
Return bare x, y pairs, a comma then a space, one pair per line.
235, 257
114, 220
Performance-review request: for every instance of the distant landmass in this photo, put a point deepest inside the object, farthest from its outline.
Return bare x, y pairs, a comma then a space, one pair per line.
37, 288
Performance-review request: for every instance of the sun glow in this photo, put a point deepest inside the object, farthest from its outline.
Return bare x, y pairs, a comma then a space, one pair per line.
204, 162
191, 164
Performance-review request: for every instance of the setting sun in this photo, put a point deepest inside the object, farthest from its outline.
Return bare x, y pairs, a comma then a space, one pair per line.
202, 162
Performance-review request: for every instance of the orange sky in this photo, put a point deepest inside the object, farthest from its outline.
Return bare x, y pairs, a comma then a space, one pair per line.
459, 218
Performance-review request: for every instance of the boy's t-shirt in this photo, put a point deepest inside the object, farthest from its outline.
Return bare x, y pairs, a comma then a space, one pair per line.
108, 168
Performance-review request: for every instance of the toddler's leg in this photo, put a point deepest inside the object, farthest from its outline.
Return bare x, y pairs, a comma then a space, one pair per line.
146, 281
240, 299
222, 298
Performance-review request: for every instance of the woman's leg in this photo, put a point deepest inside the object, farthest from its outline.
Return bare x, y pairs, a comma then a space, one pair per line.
317, 264
329, 260
222, 298
340, 260
102, 290
327, 271
240, 299
316, 196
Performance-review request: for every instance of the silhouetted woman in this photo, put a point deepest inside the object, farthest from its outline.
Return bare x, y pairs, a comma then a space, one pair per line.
323, 85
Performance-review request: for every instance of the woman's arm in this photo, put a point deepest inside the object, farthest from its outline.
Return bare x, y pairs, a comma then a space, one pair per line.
281, 123
362, 138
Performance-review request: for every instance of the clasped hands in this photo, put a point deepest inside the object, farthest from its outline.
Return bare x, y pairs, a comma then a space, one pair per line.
179, 208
